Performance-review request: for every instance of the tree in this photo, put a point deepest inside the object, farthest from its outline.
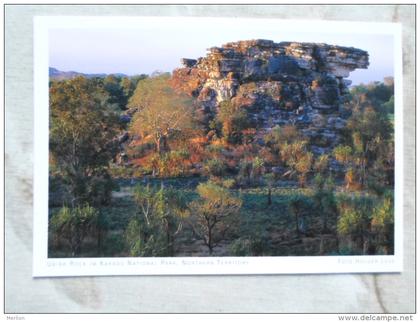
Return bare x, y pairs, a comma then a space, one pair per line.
251, 170
82, 132
213, 214
112, 85
354, 222
234, 120
270, 180
152, 231
74, 225
297, 158
383, 225
280, 135
324, 199
162, 114
368, 155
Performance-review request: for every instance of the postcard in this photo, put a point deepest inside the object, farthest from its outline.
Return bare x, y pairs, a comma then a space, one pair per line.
199, 145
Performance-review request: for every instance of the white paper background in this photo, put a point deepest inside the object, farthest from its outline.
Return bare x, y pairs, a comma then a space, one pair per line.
311, 293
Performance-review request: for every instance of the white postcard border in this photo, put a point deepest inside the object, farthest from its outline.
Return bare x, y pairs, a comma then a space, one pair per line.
45, 267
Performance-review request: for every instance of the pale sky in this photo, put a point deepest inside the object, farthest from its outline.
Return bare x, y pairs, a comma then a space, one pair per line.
154, 45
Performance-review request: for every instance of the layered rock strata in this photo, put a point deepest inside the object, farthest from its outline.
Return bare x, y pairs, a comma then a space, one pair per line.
278, 83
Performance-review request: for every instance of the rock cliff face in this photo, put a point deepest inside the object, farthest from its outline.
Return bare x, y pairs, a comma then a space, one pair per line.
278, 83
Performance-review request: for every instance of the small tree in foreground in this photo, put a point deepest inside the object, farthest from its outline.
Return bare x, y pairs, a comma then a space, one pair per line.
74, 225
213, 214
383, 226
325, 201
354, 223
152, 231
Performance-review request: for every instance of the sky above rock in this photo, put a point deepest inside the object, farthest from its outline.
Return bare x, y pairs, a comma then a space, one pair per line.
159, 44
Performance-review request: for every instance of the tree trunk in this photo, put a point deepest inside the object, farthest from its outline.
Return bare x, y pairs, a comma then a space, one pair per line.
269, 201
99, 244
210, 241
161, 144
158, 145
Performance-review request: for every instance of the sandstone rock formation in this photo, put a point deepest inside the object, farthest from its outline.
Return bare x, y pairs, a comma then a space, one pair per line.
278, 83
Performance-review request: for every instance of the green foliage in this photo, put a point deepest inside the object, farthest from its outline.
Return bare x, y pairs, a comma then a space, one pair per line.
351, 222
372, 145
343, 153
112, 85
296, 156
170, 164
134, 240
383, 225
258, 165
355, 215
325, 202
321, 164
215, 168
374, 94
280, 135
241, 247
114, 245
74, 225
297, 208
388, 106
234, 120
251, 171
82, 131
258, 244
152, 231
383, 214
368, 151
228, 183
269, 180
214, 214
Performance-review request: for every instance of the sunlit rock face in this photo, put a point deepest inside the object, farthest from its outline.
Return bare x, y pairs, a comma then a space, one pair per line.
278, 83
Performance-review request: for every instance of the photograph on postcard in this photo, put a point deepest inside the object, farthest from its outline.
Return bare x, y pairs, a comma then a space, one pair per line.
203, 138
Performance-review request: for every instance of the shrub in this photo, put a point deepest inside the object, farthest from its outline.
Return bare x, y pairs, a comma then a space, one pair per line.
343, 154
214, 214
354, 223
321, 164
241, 247
215, 167
383, 226
74, 225
158, 220
170, 164
325, 201
234, 120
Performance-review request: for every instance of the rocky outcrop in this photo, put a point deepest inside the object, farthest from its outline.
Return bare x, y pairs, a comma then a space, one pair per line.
278, 83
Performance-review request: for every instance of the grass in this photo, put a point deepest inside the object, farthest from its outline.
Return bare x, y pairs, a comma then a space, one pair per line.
262, 230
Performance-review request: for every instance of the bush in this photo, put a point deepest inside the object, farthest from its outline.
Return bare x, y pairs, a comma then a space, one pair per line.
383, 226
343, 154
241, 247
321, 164
74, 225
152, 231
214, 215
353, 223
215, 168
325, 201
114, 246
170, 164
234, 120
298, 208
